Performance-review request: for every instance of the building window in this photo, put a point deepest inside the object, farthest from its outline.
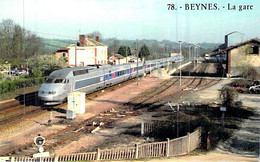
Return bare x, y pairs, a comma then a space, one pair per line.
64, 54
254, 50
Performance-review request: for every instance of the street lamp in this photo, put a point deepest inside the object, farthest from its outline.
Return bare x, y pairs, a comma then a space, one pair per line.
180, 61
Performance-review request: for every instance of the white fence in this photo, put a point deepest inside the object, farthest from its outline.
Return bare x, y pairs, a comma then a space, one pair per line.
174, 147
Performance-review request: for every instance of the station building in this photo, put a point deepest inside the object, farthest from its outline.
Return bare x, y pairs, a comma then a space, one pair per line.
87, 52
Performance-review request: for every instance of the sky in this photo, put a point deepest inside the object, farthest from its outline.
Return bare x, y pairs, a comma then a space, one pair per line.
136, 19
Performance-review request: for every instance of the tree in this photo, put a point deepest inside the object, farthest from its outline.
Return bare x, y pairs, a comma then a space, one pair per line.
6, 34
46, 61
32, 44
124, 51
17, 42
96, 33
144, 52
113, 46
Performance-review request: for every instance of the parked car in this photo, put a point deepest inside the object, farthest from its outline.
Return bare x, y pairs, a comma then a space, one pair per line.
4, 72
254, 89
240, 89
256, 82
13, 72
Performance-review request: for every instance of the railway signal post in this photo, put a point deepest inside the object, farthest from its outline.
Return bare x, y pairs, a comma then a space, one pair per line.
39, 142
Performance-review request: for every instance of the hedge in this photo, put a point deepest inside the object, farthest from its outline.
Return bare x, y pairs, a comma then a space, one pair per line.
12, 85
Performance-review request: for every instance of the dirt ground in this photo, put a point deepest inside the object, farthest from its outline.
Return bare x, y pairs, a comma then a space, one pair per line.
127, 131
24, 131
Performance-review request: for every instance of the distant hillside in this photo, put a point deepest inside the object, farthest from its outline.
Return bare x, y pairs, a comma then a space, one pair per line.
51, 45
157, 48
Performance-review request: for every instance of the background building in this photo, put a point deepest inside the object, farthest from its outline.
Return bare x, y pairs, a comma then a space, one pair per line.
86, 52
240, 57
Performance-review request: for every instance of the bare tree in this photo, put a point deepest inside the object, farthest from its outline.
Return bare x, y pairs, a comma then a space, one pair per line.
96, 33
6, 34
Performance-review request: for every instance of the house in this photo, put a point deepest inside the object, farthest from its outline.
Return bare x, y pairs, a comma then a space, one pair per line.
241, 56
86, 52
116, 59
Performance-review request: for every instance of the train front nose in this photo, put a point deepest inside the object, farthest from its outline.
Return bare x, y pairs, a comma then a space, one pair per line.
46, 92
49, 94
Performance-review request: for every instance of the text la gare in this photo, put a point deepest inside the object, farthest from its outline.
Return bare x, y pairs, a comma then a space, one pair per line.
240, 7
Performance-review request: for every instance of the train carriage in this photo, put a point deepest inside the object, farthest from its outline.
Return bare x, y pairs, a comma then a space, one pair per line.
93, 78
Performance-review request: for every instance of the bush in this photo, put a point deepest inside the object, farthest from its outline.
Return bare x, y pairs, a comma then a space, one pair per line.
12, 85
37, 72
242, 83
228, 95
250, 73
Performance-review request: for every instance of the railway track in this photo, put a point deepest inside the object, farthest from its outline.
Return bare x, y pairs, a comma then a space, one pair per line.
74, 131
133, 107
9, 104
14, 110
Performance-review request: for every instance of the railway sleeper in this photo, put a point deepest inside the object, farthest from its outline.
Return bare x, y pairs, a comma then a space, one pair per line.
120, 115
105, 114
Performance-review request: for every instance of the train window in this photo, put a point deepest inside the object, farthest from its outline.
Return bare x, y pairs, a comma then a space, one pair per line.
48, 80
80, 72
58, 80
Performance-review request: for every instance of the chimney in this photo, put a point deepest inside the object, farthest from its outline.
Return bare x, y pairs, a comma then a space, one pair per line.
97, 38
226, 41
82, 41
89, 36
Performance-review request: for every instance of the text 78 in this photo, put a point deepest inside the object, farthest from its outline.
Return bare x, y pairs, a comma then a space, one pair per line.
171, 6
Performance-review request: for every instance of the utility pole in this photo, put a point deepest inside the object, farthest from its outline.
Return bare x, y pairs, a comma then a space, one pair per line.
195, 52
189, 52
189, 55
75, 54
137, 62
126, 53
180, 61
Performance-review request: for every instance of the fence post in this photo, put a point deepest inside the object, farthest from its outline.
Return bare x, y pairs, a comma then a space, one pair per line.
168, 147
188, 144
56, 158
136, 151
142, 127
12, 159
98, 154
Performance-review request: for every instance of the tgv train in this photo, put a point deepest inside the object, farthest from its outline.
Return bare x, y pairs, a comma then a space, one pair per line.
88, 79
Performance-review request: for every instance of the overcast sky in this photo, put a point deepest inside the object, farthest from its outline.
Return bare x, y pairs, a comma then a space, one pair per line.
134, 19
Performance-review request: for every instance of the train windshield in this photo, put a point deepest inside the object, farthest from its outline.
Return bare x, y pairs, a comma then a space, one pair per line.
58, 81
49, 80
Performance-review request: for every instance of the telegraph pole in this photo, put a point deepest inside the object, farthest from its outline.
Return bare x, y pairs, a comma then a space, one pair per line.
126, 53
180, 61
195, 52
137, 62
189, 52
75, 54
